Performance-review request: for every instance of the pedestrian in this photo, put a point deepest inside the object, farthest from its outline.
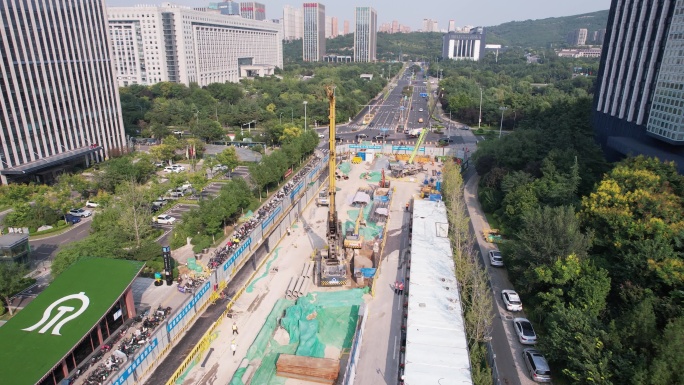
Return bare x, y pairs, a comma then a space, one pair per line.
396, 287
288, 231
233, 347
407, 206
235, 330
401, 287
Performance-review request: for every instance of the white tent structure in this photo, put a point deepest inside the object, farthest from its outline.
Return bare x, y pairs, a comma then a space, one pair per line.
436, 344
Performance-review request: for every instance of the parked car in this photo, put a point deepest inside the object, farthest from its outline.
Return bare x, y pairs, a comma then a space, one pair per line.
158, 164
495, 258
175, 194
81, 213
536, 365
154, 208
380, 137
338, 138
525, 331
165, 219
72, 219
321, 136
178, 167
512, 300
464, 127
445, 141
92, 204
170, 169
159, 202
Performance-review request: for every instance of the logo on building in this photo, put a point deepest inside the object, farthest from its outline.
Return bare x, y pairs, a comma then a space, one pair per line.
58, 320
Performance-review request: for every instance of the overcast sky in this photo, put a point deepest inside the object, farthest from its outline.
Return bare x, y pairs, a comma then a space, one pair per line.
412, 12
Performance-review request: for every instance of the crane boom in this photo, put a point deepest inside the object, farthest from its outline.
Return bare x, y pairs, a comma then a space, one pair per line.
333, 232
417, 145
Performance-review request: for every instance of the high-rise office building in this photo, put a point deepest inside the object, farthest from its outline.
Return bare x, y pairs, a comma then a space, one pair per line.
335, 27
60, 102
313, 45
395, 27
253, 10
577, 37
639, 101
464, 45
228, 7
346, 27
328, 27
430, 25
293, 23
365, 34
171, 43
452, 25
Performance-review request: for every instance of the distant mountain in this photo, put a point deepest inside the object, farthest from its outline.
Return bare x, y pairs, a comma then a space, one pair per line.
544, 32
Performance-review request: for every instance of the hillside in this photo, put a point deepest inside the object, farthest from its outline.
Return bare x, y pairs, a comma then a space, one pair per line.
544, 32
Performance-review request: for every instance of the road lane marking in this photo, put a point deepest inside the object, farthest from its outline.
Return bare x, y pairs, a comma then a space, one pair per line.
394, 352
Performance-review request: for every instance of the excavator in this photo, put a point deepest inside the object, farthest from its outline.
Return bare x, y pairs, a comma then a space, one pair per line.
332, 264
353, 239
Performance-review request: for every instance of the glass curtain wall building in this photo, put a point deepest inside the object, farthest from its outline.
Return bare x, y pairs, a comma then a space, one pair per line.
365, 34
60, 103
314, 32
639, 98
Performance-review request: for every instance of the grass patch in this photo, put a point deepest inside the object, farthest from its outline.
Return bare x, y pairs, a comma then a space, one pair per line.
494, 223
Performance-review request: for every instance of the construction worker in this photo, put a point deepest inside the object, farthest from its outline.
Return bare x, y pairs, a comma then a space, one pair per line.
407, 206
233, 347
401, 287
235, 330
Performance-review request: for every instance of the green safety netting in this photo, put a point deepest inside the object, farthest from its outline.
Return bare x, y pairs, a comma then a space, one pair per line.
372, 176
370, 231
313, 322
345, 168
246, 216
192, 265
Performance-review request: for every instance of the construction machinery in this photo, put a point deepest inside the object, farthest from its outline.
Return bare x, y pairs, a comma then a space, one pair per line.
411, 168
353, 239
332, 264
384, 183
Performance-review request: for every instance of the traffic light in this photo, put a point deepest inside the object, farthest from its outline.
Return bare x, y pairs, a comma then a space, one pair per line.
168, 269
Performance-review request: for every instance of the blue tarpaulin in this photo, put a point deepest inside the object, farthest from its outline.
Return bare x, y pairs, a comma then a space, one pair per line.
368, 272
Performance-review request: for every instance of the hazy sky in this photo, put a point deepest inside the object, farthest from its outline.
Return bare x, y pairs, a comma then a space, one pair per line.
412, 12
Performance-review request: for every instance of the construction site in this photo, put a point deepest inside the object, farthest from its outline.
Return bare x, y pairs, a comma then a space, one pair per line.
301, 318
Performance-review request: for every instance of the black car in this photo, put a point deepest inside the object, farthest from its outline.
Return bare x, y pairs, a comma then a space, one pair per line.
380, 137
338, 139
445, 141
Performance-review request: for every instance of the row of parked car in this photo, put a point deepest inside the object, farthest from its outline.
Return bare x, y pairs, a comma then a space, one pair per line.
535, 362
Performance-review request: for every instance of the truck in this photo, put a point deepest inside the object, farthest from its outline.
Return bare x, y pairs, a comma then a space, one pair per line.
414, 133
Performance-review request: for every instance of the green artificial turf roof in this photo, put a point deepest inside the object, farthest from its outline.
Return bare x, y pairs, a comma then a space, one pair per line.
26, 356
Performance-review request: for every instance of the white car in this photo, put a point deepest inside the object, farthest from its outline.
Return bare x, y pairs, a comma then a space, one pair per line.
170, 169
92, 204
165, 219
81, 213
420, 110
178, 167
512, 300
495, 258
321, 136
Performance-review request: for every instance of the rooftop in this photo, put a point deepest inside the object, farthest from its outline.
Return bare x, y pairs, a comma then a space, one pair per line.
50, 161
436, 345
9, 240
34, 342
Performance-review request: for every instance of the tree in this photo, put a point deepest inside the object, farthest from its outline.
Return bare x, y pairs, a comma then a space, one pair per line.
576, 343
12, 281
228, 158
209, 130
637, 215
135, 211
163, 152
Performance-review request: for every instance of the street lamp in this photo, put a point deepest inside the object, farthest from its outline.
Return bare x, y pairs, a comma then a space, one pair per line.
501, 126
281, 118
305, 103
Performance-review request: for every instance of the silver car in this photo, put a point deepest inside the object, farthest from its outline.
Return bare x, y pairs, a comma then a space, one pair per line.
525, 331
536, 365
495, 258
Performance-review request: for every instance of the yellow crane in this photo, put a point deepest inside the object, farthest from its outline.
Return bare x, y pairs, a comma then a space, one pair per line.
420, 140
333, 268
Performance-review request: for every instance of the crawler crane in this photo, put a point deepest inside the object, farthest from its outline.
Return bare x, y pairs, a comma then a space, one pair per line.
332, 264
